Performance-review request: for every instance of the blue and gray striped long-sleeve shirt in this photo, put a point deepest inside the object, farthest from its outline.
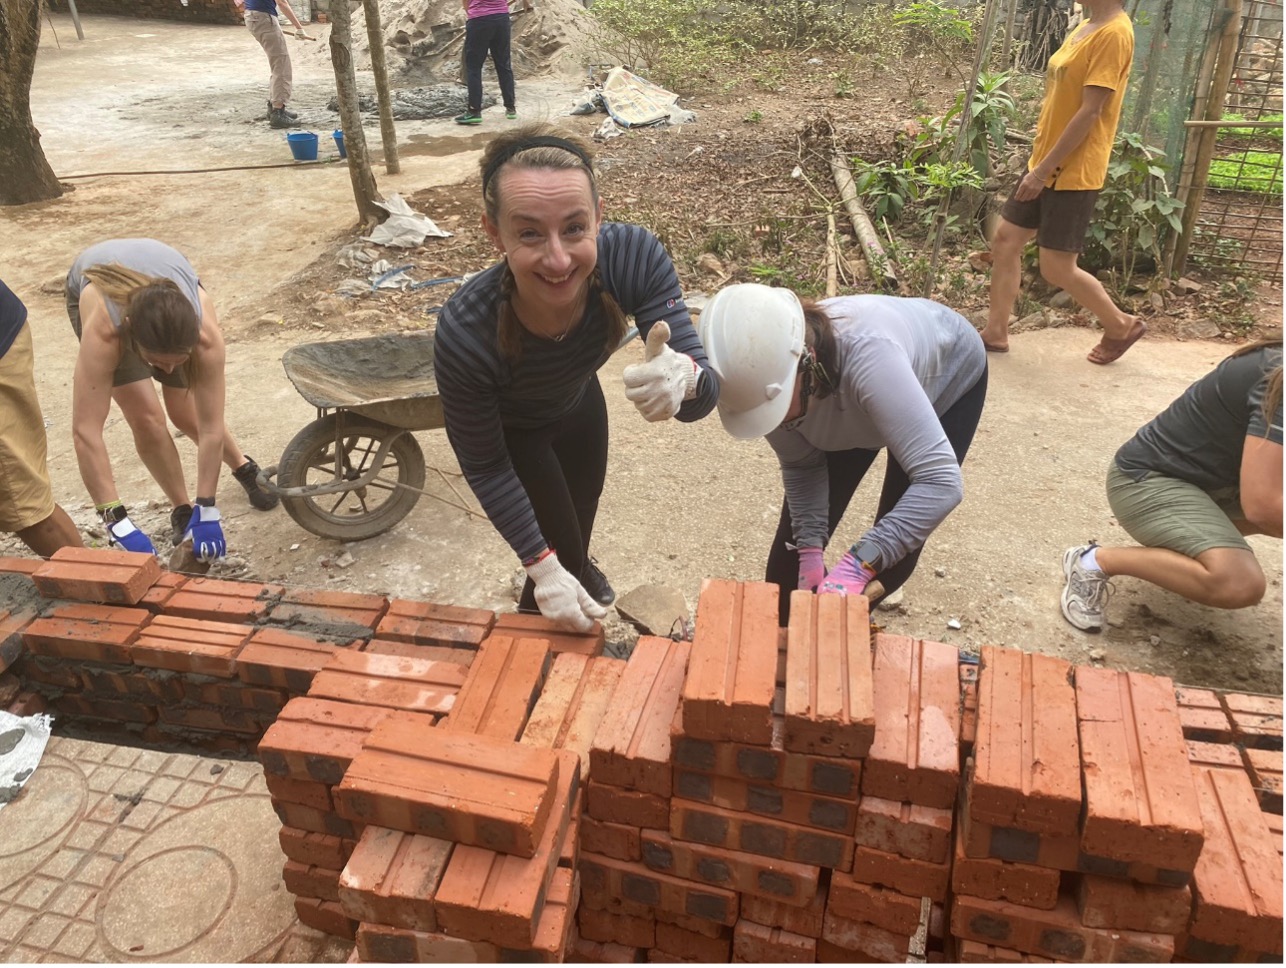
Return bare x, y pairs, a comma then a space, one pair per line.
483, 394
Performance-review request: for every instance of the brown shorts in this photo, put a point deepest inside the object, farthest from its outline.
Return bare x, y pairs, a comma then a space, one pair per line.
1059, 218
131, 367
26, 498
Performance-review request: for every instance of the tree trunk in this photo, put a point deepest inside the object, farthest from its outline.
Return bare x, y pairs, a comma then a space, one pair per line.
365, 191
25, 175
388, 133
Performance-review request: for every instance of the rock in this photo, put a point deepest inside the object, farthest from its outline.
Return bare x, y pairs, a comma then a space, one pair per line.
653, 609
1037, 320
710, 263
1200, 329
54, 285
1097, 655
893, 600
1186, 286
363, 316
184, 561
9, 688
345, 560
695, 300
1062, 300
940, 572
1157, 301
329, 306
1154, 639
980, 261
953, 623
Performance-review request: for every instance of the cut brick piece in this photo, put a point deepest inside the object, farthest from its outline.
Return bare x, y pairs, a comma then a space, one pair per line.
1106, 902
163, 589
760, 944
557, 926
424, 623
728, 693
86, 633
829, 703
825, 813
217, 600
316, 739
1237, 884
488, 896
1222, 756
314, 849
632, 747
388, 680
735, 870
616, 840
500, 688
13, 565
1202, 715
634, 882
326, 916
1056, 934
391, 878
560, 639
916, 877
345, 616
806, 920
1026, 757
1256, 720
573, 703
909, 829
285, 660
867, 941
190, 645
304, 880
629, 807
716, 827
457, 786
880, 906
916, 753
97, 575
827, 775
1265, 768
1140, 802
999, 880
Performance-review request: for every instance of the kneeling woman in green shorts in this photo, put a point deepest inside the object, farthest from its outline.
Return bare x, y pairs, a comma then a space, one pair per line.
1187, 487
141, 314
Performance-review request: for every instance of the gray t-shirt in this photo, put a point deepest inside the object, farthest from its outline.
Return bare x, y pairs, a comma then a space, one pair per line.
903, 363
1200, 437
147, 256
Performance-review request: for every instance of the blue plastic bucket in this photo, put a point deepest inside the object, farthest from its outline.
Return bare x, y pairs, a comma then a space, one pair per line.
338, 135
303, 145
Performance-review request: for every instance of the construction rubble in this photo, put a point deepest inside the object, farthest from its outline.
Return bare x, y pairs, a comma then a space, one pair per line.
457, 785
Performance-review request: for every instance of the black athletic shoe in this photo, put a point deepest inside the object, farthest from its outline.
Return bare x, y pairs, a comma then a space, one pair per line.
278, 118
595, 582
179, 519
286, 111
247, 476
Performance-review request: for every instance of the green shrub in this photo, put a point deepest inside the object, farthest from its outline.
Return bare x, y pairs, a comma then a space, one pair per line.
673, 42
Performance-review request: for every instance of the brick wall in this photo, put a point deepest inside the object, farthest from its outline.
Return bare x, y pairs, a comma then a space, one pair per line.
196, 11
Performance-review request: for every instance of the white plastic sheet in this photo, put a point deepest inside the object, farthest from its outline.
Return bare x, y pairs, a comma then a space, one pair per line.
404, 226
22, 744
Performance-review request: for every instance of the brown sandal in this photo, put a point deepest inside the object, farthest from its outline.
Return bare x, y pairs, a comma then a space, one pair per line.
1110, 350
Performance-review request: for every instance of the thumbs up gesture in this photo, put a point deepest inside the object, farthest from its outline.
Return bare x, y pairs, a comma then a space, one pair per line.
659, 385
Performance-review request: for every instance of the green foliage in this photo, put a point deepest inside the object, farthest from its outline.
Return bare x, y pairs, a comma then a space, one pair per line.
887, 186
1248, 171
991, 110
675, 42
929, 23
1135, 210
754, 117
1251, 133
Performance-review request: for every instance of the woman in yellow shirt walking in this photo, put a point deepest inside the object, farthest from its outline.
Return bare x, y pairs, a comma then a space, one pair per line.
1054, 201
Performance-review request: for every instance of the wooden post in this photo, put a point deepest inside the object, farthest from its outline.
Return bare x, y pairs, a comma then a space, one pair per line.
75, 19
365, 191
832, 256
1011, 16
1200, 171
388, 133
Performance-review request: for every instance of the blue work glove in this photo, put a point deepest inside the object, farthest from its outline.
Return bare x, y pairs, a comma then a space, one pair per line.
849, 577
130, 538
812, 569
206, 534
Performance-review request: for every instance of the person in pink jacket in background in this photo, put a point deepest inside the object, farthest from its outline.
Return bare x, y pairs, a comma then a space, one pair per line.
487, 31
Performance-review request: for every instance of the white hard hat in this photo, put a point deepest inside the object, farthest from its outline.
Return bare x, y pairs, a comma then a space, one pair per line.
753, 337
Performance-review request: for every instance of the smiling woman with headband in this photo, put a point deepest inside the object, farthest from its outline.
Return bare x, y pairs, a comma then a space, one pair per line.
831, 384
518, 348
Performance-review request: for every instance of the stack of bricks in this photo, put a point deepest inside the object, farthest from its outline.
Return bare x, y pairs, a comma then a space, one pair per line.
1082, 825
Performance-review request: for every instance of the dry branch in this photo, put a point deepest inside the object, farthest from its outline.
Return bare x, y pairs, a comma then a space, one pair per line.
881, 265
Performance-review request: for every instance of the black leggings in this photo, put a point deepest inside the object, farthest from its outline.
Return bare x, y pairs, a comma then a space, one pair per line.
562, 467
846, 468
483, 36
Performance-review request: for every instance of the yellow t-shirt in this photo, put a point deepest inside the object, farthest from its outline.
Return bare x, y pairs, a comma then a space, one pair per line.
1101, 59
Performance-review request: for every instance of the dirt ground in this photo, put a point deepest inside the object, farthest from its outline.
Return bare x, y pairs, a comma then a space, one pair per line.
682, 502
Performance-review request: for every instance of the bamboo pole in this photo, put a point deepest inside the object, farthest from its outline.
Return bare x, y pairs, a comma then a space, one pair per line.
882, 269
832, 256
365, 191
1011, 17
388, 133
1222, 77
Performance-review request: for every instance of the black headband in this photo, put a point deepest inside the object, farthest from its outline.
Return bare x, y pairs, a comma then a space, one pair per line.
537, 141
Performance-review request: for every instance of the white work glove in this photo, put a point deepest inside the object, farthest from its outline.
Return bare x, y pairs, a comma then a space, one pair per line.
660, 384
300, 35
560, 597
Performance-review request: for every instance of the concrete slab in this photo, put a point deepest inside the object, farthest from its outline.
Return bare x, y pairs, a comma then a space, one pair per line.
116, 854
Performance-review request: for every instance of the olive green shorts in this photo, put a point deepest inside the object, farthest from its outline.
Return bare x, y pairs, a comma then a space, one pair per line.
131, 367
1165, 512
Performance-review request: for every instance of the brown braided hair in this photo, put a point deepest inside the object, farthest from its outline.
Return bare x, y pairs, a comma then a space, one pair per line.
155, 315
540, 156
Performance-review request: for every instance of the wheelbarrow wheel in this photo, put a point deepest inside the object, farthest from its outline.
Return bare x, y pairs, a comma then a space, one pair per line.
362, 512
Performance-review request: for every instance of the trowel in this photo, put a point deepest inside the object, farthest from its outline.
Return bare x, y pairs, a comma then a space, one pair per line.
184, 560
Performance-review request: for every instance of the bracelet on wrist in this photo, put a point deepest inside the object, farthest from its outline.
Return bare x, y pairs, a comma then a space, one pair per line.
528, 562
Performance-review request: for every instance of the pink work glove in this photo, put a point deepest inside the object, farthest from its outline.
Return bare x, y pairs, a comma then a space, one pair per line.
812, 569
849, 577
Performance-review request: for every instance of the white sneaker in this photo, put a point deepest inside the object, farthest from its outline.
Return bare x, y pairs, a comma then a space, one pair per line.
1086, 592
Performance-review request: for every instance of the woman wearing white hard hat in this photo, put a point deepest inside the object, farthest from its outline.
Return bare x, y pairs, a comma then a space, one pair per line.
831, 384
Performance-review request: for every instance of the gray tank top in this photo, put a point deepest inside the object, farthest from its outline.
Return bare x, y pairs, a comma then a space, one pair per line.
147, 256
